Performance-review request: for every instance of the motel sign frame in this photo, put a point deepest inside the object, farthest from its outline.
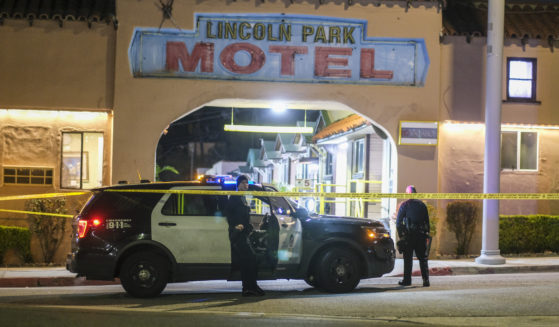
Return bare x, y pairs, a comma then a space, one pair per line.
278, 48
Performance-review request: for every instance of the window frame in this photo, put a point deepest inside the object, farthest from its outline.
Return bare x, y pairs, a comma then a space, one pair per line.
519, 151
45, 176
181, 200
533, 80
82, 155
358, 161
286, 168
329, 164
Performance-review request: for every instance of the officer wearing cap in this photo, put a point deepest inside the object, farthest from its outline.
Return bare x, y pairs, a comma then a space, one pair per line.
238, 217
412, 225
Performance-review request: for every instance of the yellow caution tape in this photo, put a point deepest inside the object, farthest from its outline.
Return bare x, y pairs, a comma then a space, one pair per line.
37, 213
365, 196
435, 196
40, 196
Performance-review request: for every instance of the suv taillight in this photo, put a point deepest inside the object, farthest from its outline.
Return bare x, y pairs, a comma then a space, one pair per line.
82, 228
83, 225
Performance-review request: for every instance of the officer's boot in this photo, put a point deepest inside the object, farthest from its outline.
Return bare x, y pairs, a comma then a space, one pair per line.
424, 272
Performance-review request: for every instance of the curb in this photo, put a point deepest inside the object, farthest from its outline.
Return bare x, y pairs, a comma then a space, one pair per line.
437, 271
454, 271
503, 270
434, 271
53, 281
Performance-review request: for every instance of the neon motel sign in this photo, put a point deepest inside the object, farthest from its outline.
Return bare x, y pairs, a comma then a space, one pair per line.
278, 48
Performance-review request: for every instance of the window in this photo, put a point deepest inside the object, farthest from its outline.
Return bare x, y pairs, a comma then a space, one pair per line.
329, 164
519, 150
191, 205
280, 206
302, 171
286, 169
28, 175
82, 160
358, 155
521, 79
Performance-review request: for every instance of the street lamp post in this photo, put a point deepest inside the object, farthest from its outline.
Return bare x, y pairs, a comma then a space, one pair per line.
490, 253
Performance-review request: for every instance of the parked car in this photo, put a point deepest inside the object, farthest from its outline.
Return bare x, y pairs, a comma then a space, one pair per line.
149, 239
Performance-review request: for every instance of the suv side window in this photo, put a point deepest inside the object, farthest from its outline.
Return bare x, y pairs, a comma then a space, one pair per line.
280, 206
192, 205
112, 204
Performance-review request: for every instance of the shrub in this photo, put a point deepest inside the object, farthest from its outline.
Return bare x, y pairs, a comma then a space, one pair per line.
531, 233
433, 219
462, 217
49, 229
16, 238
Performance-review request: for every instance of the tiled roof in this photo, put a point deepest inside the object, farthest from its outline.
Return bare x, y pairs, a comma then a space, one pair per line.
341, 126
286, 138
272, 155
89, 11
252, 156
267, 145
287, 145
523, 19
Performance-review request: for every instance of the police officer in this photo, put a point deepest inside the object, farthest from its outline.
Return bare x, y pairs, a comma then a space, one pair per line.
238, 217
412, 225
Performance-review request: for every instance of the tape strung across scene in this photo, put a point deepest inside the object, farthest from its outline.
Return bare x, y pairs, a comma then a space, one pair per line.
40, 196
435, 196
37, 213
432, 196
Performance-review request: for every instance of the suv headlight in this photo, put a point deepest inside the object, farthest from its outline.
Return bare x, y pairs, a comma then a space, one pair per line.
374, 233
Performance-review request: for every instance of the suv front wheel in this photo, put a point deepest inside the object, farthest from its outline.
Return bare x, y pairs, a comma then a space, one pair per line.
338, 271
144, 274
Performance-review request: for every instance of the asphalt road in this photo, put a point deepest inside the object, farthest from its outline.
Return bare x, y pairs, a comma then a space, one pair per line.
468, 300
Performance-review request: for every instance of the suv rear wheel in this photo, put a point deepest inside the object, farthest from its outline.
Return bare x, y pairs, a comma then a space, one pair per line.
338, 271
144, 274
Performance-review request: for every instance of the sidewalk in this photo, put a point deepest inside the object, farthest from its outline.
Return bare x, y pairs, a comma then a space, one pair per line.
44, 276
470, 267
59, 276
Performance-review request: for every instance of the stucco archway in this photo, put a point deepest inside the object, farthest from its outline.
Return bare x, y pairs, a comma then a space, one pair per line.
380, 147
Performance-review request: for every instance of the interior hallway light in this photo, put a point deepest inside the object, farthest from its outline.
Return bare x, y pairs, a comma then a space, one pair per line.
278, 107
267, 129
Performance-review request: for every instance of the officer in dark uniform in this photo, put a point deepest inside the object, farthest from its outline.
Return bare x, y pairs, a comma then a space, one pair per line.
413, 230
238, 217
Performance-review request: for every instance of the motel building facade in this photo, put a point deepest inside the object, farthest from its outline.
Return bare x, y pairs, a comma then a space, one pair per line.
89, 88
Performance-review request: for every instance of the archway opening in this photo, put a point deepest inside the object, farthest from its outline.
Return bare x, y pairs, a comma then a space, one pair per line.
295, 146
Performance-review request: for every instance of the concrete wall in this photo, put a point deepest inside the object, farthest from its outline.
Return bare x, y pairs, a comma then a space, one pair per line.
48, 67
33, 139
461, 146
463, 82
45, 66
149, 105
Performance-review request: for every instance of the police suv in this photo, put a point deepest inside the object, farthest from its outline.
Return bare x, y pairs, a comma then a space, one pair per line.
148, 236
